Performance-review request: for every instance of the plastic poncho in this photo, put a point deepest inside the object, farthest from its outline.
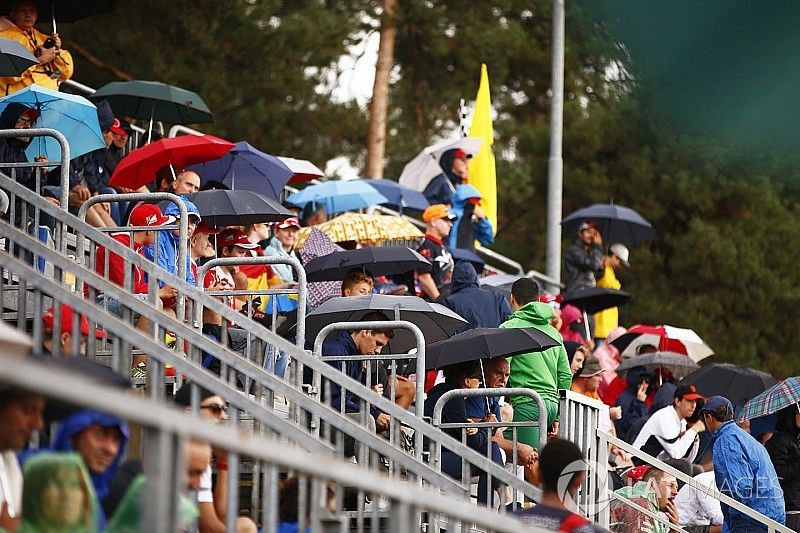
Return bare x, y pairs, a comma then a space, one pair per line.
626, 518
127, 518
57, 496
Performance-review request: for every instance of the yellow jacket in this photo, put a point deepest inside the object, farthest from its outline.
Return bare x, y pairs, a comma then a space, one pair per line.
38, 74
608, 319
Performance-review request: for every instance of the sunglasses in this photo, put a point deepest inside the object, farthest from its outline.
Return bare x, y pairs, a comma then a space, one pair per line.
216, 408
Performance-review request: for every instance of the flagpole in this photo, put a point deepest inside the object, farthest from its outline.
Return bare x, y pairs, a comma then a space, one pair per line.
555, 170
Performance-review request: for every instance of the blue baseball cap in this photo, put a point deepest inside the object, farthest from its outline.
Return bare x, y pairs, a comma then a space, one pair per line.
173, 210
718, 404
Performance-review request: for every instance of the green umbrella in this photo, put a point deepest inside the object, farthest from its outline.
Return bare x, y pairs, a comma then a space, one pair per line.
152, 100
720, 68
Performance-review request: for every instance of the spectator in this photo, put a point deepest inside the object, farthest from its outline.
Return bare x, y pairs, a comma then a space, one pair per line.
454, 172
559, 492
576, 355
168, 242
632, 402
201, 248
55, 64
471, 223
742, 469
66, 340
12, 149
21, 413
232, 243
784, 451
572, 326
699, 512
186, 182
438, 223
553, 301
314, 214
587, 380
357, 283
608, 319
282, 245
665, 434
198, 459
545, 372
584, 259
656, 492
212, 498
120, 134
289, 503
463, 376
609, 357
479, 307
57, 495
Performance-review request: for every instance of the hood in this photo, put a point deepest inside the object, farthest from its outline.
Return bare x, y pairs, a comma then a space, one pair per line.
74, 424
570, 314
446, 163
465, 192
105, 117
534, 315
633, 377
464, 275
9, 116
173, 210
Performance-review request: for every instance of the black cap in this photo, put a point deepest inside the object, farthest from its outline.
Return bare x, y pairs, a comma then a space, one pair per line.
184, 394
688, 392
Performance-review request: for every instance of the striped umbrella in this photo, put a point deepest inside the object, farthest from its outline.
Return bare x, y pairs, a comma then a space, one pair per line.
772, 400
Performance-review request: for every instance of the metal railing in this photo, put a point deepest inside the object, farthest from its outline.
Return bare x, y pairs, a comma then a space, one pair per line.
167, 430
36, 166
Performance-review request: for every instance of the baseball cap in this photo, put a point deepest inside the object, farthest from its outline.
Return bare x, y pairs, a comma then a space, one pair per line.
591, 367
718, 404
184, 394
203, 227
553, 300
116, 127
66, 322
234, 237
291, 222
621, 251
687, 392
588, 224
437, 211
461, 154
149, 215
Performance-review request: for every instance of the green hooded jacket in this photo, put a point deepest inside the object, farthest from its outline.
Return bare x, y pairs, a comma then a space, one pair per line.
545, 372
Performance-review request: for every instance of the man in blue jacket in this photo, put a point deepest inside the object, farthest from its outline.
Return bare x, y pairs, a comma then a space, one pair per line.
742, 469
168, 242
481, 308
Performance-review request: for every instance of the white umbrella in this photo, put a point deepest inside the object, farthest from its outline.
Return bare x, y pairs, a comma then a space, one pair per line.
425, 166
13, 342
302, 169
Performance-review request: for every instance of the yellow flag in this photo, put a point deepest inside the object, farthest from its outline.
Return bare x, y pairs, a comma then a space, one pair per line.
482, 174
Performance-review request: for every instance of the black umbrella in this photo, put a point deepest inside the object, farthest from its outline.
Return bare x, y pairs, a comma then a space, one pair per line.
679, 364
64, 10
437, 322
463, 254
617, 223
378, 261
15, 58
237, 208
485, 343
736, 383
595, 299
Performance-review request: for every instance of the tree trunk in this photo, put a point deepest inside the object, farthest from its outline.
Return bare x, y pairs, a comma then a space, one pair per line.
379, 105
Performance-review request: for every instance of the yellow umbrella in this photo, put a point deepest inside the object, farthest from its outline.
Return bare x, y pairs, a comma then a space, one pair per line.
368, 230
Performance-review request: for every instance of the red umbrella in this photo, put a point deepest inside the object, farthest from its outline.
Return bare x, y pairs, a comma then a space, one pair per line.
140, 166
665, 339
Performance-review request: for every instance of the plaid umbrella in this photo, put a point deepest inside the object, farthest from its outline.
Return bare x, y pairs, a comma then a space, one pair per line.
772, 400
318, 244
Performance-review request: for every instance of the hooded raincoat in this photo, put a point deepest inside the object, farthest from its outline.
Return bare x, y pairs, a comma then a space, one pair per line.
479, 307
440, 189
633, 410
12, 149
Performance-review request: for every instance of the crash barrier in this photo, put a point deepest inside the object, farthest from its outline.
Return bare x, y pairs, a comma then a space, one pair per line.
167, 432
490, 427
195, 344
580, 423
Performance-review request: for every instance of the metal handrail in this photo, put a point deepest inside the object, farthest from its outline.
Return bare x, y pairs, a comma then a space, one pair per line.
65, 155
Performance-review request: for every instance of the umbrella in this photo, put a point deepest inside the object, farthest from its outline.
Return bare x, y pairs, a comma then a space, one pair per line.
302, 169
248, 168
400, 198
367, 230
665, 339
338, 196
153, 100
617, 223
772, 400
736, 383
677, 363
501, 283
398, 230
436, 321
464, 254
72, 115
379, 261
595, 299
425, 166
318, 244
140, 166
65, 10
13, 342
485, 343
237, 208
15, 58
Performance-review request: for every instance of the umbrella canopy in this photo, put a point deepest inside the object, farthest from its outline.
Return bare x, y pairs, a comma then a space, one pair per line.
338, 196
72, 115
237, 208
380, 261
400, 198
772, 400
436, 321
464, 254
501, 283
736, 383
13, 342
302, 169
665, 339
153, 100
419, 172
594, 299
367, 230
318, 244
484, 343
140, 166
15, 58
677, 363
64, 10
245, 167
617, 223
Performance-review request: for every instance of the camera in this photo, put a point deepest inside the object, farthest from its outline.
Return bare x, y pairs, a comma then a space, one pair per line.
49, 43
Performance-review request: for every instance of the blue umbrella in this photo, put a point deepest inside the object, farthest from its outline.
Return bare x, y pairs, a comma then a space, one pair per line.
339, 196
400, 198
72, 115
245, 167
617, 223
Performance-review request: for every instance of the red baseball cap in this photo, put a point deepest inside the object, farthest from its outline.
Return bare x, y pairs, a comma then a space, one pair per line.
116, 127
234, 237
66, 322
203, 227
149, 215
289, 223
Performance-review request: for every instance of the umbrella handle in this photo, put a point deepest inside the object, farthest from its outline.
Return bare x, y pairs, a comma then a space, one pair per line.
150, 127
586, 325
53, 11
483, 378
